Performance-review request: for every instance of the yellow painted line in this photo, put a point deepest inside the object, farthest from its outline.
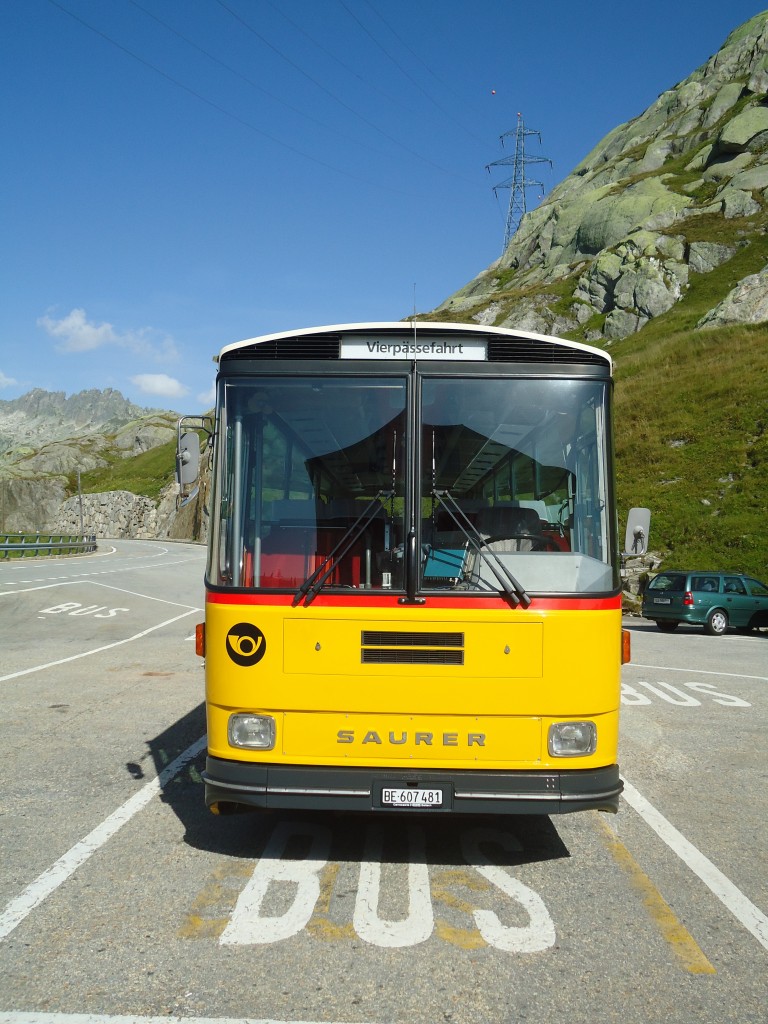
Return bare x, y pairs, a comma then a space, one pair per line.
680, 940
320, 925
443, 885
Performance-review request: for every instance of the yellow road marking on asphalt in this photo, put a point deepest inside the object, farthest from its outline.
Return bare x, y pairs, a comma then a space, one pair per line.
673, 931
219, 895
443, 884
320, 925
464, 938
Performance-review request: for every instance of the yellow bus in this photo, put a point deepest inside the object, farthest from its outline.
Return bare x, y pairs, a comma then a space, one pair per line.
413, 591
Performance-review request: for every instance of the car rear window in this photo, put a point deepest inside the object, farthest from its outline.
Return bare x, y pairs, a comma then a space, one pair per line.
706, 583
668, 581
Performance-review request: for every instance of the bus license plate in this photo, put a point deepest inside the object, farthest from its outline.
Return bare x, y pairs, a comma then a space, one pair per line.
412, 797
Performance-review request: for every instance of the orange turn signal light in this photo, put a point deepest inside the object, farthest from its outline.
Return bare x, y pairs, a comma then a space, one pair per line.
626, 647
200, 639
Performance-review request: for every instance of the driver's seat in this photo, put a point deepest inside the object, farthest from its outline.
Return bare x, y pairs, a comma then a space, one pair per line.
510, 528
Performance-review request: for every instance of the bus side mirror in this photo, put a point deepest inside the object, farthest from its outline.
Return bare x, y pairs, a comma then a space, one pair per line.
638, 527
187, 458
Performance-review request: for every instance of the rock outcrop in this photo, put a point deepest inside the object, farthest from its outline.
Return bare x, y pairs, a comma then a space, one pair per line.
622, 234
47, 438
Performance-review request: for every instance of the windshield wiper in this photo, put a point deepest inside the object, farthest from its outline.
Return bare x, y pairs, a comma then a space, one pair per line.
514, 591
314, 583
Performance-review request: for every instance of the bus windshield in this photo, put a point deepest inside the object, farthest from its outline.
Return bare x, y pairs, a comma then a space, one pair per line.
513, 470
302, 460
321, 480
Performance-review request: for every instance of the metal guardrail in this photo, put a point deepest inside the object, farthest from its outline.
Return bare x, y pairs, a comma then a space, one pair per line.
21, 545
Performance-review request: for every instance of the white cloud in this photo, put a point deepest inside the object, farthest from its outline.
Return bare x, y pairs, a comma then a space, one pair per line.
6, 382
75, 333
159, 384
207, 398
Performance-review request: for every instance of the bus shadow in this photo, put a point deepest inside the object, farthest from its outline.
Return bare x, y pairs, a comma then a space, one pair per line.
399, 838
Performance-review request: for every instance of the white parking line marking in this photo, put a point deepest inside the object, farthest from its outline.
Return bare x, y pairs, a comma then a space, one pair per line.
697, 671
753, 919
107, 586
101, 1018
97, 650
101, 572
19, 908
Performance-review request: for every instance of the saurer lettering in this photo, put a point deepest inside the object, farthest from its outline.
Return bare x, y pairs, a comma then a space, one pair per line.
427, 739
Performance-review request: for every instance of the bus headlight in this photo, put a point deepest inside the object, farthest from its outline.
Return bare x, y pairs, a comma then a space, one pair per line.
572, 739
255, 732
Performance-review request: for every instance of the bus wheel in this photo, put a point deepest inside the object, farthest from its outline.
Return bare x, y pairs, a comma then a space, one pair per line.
667, 627
717, 622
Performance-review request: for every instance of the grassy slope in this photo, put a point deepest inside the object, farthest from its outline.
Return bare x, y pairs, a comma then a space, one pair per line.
692, 427
147, 473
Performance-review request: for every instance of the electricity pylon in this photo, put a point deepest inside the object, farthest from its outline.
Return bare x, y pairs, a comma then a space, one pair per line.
518, 183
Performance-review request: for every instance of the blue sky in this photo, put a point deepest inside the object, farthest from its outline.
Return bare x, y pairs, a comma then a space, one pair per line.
178, 175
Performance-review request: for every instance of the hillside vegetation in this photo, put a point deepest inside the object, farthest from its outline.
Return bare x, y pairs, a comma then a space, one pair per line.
692, 444
148, 474
692, 419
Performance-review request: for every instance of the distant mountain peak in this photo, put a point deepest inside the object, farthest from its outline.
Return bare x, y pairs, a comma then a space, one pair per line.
42, 416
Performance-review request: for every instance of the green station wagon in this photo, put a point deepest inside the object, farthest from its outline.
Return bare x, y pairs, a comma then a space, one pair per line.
714, 600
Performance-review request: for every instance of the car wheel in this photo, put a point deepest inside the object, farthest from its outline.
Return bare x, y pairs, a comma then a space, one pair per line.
717, 622
667, 627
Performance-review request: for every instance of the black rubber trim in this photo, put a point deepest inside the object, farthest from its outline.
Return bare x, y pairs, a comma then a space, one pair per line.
298, 787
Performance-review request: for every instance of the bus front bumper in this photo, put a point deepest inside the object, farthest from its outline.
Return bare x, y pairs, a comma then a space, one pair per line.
234, 785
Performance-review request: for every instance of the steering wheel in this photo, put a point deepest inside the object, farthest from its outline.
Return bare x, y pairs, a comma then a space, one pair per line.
539, 543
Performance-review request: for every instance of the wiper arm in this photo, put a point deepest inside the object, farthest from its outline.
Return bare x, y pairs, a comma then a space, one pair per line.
314, 583
514, 591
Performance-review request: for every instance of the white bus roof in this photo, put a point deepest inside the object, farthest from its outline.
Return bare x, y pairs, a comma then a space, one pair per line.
418, 327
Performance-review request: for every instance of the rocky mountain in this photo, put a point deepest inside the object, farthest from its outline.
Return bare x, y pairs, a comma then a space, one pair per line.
40, 417
662, 199
656, 247
47, 437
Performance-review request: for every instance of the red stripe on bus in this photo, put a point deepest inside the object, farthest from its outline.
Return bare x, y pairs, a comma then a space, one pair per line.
391, 601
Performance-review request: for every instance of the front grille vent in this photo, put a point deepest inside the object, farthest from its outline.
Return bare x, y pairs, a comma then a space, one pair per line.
313, 346
527, 350
398, 639
405, 656
392, 647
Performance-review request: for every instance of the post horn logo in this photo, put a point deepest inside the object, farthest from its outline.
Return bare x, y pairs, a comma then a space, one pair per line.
245, 644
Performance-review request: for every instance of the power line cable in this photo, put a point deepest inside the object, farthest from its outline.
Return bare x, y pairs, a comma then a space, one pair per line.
329, 53
410, 78
250, 81
222, 110
336, 98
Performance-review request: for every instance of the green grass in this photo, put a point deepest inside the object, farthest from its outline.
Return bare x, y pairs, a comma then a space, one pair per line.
692, 443
145, 474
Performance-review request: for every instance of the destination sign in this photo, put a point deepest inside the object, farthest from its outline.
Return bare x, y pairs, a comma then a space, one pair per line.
424, 346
